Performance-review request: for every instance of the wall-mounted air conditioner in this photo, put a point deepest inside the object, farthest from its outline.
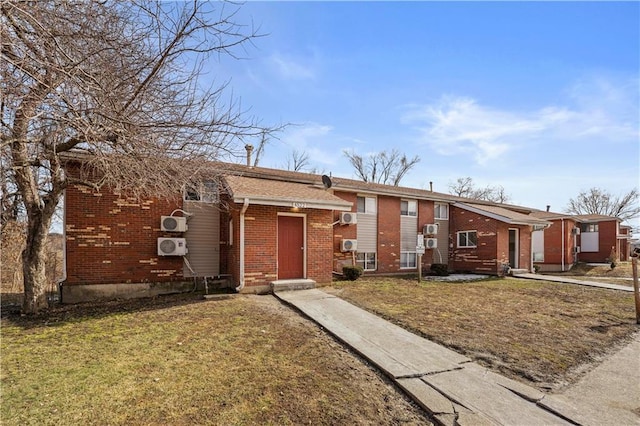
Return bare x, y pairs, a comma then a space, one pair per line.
430, 243
349, 245
173, 223
575, 231
430, 229
576, 249
348, 218
172, 246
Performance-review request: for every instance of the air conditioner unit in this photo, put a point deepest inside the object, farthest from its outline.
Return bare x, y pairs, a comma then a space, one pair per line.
348, 218
430, 243
172, 246
575, 231
430, 229
349, 245
576, 249
173, 223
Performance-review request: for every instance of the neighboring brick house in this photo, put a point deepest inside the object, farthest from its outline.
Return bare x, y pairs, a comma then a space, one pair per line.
253, 226
578, 238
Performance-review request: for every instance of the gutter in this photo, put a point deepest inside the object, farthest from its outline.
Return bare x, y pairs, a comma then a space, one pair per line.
562, 239
245, 206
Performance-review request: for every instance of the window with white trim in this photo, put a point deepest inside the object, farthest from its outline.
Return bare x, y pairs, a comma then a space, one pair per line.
408, 259
366, 205
441, 211
467, 239
538, 256
366, 261
408, 208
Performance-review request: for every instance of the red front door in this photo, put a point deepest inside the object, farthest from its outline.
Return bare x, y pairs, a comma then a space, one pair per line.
290, 247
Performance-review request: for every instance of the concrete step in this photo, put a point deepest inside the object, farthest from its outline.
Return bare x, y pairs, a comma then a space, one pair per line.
289, 285
514, 271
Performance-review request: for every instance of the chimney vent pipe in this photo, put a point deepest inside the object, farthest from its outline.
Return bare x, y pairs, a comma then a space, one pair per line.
249, 149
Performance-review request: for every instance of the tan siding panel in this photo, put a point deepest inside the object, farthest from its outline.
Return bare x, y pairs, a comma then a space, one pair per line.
408, 233
367, 233
203, 239
441, 254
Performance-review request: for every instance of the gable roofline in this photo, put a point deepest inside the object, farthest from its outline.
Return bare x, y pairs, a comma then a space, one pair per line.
503, 214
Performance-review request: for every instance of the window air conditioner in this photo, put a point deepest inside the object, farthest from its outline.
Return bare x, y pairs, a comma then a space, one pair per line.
349, 245
173, 223
575, 231
430, 229
576, 249
430, 243
348, 218
172, 246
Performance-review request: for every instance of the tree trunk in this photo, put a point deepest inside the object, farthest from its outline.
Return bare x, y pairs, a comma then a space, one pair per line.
34, 265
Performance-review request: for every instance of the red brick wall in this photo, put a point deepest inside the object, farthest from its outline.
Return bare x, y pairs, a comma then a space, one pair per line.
607, 238
261, 245
388, 234
553, 236
113, 239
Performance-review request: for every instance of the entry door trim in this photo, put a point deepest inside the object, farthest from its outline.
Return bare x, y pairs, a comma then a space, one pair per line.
304, 241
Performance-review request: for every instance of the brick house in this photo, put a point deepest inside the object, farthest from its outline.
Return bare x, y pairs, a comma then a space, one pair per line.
255, 226
578, 238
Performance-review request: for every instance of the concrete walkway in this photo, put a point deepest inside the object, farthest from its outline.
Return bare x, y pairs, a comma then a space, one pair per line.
566, 280
452, 388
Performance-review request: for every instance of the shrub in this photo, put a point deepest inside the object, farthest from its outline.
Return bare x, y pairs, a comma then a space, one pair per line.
352, 273
440, 269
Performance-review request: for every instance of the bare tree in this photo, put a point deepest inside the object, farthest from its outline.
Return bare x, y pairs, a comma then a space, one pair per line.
119, 83
465, 187
599, 201
382, 167
297, 161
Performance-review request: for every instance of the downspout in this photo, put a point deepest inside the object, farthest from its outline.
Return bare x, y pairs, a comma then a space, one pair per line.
562, 244
245, 206
63, 278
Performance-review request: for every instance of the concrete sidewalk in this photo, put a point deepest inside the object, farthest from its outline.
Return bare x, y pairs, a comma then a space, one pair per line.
452, 388
567, 280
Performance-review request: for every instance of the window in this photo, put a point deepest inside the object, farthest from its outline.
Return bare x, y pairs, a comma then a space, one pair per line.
589, 227
538, 256
206, 192
408, 260
409, 208
366, 205
467, 239
366, 261
441, 211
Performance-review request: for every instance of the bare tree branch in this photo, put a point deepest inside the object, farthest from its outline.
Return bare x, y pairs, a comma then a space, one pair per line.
465, 187
119, 82
599, 201
382, 167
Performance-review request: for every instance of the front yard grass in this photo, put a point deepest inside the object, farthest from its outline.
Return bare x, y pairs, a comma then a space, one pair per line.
539, 332
178, 360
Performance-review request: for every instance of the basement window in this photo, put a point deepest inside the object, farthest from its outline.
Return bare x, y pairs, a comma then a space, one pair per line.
467, 239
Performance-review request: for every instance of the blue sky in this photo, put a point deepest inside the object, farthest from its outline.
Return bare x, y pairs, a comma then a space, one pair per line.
541, 97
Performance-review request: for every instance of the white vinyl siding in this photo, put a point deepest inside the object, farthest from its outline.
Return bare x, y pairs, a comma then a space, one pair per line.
408, 233
367, 233
590, 241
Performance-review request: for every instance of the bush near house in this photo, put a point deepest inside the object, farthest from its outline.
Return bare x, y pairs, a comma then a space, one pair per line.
352, 273
440, 269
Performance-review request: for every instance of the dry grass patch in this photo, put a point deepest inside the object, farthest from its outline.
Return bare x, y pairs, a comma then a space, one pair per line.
622, 274
178, 360
537, 331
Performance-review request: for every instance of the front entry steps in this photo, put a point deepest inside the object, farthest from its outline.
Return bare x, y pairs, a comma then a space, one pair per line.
514, 271
295, 284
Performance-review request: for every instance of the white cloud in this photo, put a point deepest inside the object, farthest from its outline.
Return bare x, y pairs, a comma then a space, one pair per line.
595, 109
289, 68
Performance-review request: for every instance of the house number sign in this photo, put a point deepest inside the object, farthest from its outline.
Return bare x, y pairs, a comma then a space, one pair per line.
299, 205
